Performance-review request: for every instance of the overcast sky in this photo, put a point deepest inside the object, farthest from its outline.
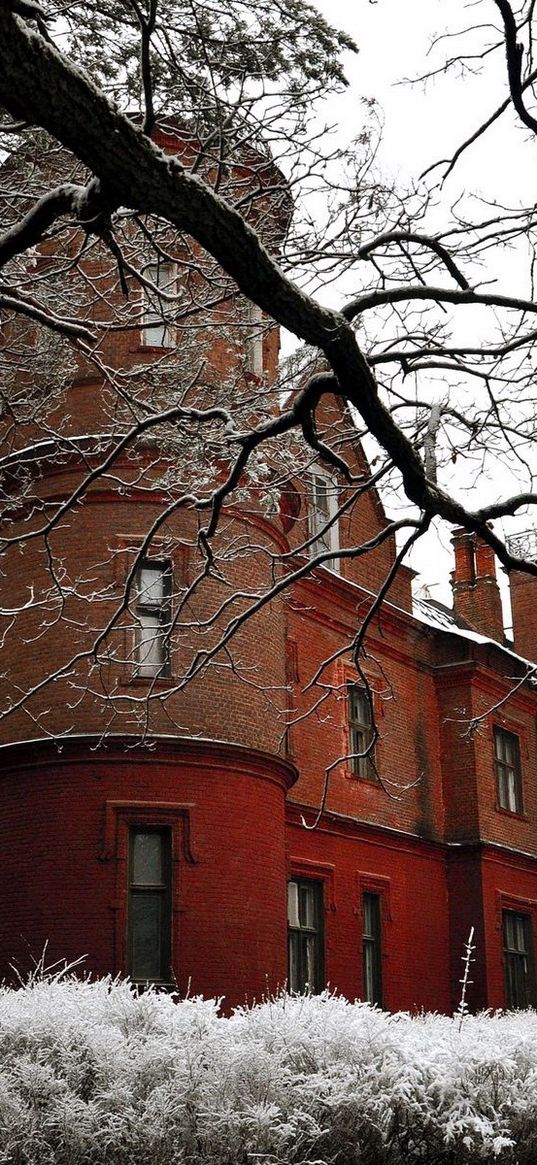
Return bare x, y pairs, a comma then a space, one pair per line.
424, 123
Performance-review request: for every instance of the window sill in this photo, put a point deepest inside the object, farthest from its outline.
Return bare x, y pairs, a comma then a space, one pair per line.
372, 781
519, 815
153, 984
148, 681
152, 348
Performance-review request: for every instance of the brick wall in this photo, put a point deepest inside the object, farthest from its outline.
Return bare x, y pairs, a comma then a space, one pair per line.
68, 885
409, 876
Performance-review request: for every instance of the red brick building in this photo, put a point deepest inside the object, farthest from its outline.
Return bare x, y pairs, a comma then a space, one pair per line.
172, 830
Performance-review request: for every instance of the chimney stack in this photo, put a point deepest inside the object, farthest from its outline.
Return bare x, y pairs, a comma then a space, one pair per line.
524, 596
476, 594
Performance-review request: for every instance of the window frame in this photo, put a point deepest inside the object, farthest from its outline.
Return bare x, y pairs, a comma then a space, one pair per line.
137, 890
254, 348
362, 767
519, 962
156, 332
299, 934
159, 610
323, 541
180, 819
372, 987
509, 786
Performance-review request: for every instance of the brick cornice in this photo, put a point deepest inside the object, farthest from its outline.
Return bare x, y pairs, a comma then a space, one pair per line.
159, 750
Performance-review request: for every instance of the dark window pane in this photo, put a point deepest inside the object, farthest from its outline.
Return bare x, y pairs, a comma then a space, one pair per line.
310, 960
294, 961
371, 949
149, 905
518, 959
146, 923
307, 899
305, 919
360, 732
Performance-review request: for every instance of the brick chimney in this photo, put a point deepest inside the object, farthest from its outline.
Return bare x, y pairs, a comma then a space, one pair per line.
524, 596
476, 594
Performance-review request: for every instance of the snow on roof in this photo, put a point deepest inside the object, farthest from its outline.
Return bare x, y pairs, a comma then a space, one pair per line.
436, 615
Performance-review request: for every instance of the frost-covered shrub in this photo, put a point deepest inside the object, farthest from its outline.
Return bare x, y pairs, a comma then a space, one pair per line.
95, 1074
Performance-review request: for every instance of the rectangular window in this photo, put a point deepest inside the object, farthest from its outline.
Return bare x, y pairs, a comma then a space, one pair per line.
305, 922
508, 771
322, 507
157, 331
153, 618
371, 949
254, 341
150, 905
518, 958
360, 732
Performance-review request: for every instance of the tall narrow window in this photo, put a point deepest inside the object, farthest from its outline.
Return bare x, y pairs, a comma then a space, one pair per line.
153, 618
508, 771
360, 733
150, 905
519, 961
322, 508
254, 340
305, 921
157, 330
371, 949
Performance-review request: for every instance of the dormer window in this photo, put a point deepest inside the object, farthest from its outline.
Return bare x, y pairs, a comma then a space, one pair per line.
322, 514
157, 332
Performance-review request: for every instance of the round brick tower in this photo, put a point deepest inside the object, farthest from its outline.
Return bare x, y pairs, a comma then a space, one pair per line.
143, 782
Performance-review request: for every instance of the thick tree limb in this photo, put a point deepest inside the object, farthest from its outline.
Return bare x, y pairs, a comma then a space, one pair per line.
514, 53
427, 241
27, 307
29, 231
435, 295
38, 83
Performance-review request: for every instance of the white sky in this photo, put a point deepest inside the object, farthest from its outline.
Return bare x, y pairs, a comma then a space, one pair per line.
424, 123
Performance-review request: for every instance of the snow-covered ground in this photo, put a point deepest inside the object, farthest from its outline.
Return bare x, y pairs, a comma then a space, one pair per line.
95, 1073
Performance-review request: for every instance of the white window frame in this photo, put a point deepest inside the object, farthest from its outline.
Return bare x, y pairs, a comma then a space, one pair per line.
254, 342
318, 516
157, 332
153, 619
508, 770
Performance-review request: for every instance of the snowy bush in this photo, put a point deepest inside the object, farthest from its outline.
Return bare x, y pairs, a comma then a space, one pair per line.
95, 1074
